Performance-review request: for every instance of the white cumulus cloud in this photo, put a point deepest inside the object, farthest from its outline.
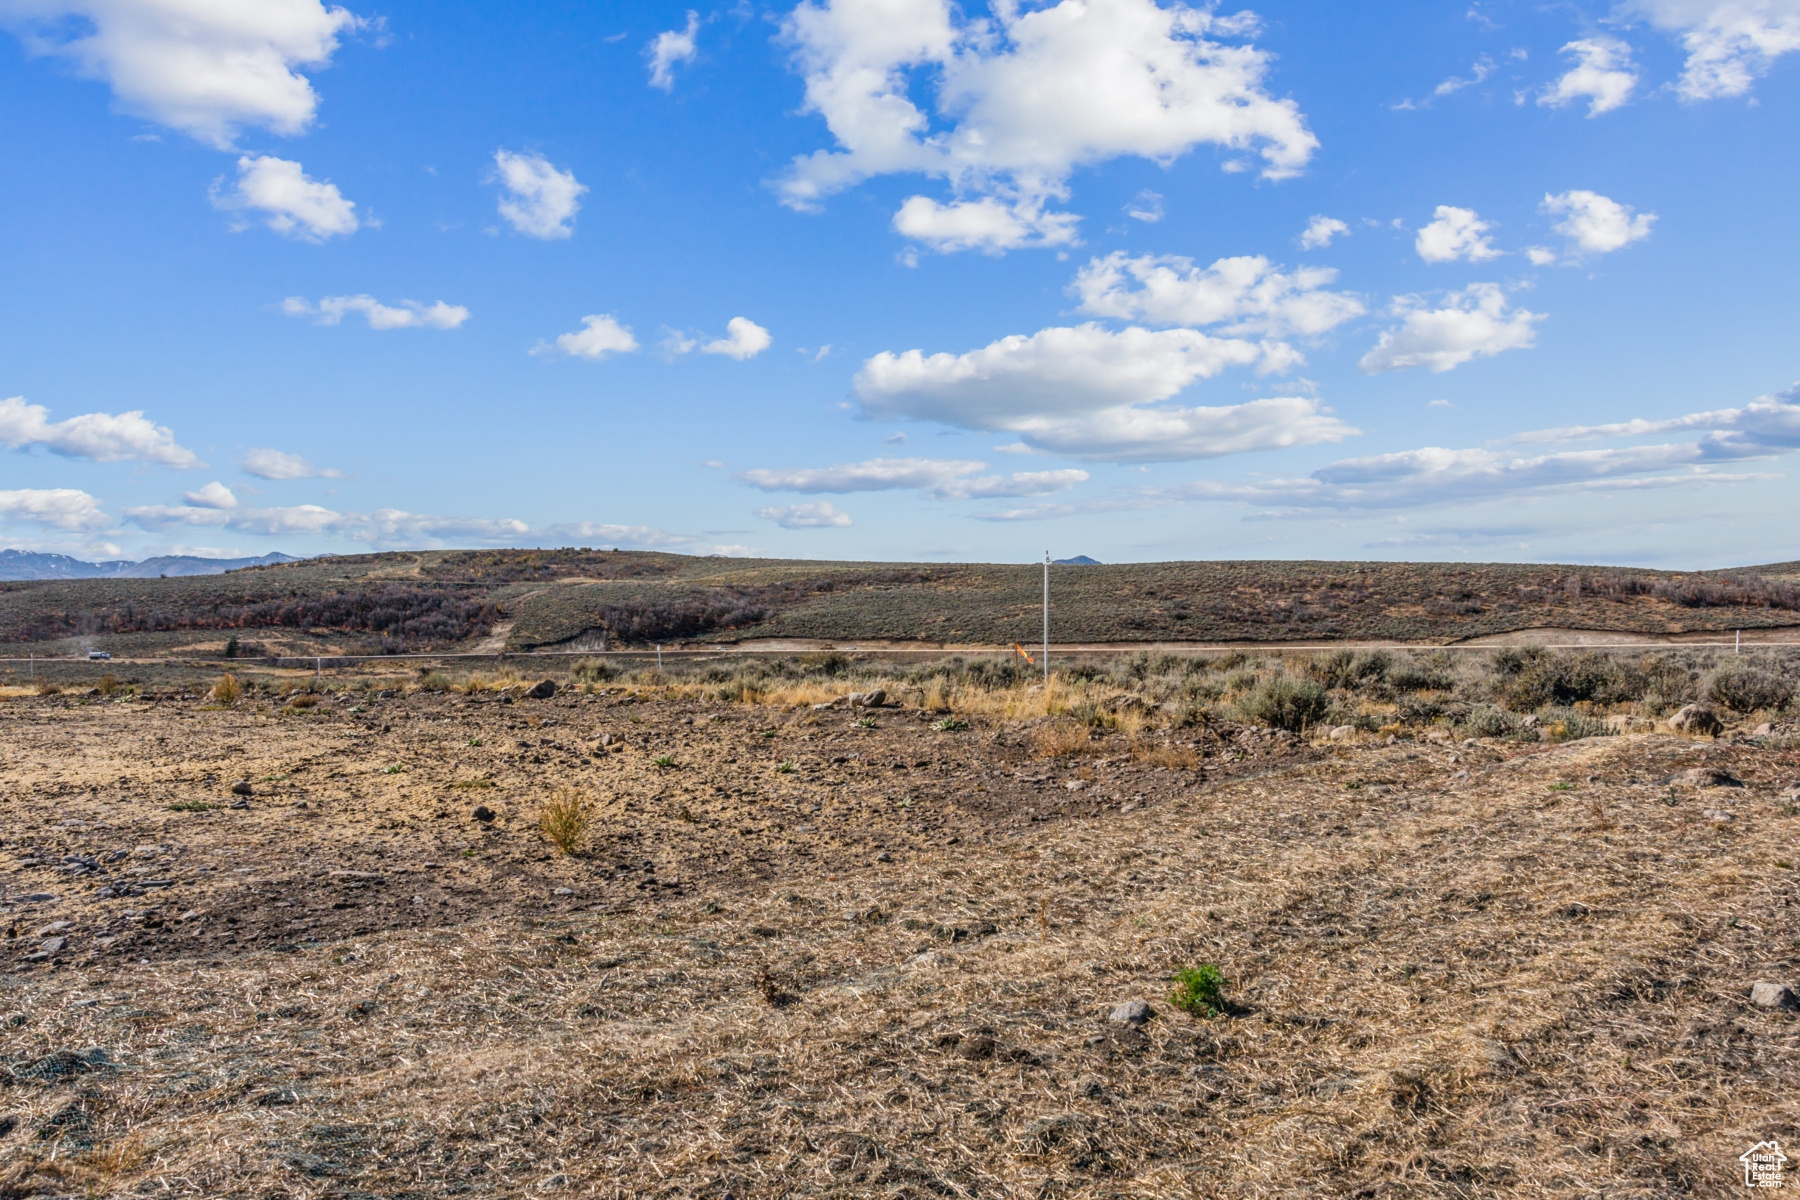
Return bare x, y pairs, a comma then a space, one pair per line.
385, 528
265, 463
1023, 98
205, 67
57, 508
293, 204
816, 514
1085, 392
102, 437
988, 225
1320, 230
410, 314
744, 339
1603, 73
1597, 224
1247, 295
1455, 233
598, 336
1729, 43
669, 48
539, 200
1473, 323
213, 495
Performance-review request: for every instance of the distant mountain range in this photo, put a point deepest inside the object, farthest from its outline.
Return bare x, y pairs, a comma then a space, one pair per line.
26, 564
1080, 560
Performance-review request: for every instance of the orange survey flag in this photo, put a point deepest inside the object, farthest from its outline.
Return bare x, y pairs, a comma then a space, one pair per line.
1024, 655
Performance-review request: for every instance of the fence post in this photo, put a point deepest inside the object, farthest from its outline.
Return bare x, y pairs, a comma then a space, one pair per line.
1738, 646
1046, 618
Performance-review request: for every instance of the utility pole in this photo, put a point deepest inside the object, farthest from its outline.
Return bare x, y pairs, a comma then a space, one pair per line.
1046, 618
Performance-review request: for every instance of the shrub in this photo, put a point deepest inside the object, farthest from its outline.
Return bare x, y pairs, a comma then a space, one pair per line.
1566, 679
1568, 725
1744, 688
1350, 669
1060, 738
1283, 703
228, 690
231, 646
949, 725
436, 681
594, 670
1428, 675
565, 820
663, 760
46, 688
1199, 991
108, 684
1487, 721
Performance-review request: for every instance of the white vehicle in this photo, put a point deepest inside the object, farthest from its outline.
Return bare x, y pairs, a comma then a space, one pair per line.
98, 655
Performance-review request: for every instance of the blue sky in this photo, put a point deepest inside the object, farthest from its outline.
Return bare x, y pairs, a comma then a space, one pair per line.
896, 279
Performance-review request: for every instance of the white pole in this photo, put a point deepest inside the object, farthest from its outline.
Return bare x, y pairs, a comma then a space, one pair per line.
659, 657
1046, 618
1738, 648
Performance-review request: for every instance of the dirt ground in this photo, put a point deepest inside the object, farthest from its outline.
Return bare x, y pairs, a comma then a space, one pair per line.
803, 956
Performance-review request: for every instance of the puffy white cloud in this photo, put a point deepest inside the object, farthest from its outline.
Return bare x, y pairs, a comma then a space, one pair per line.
940, 478
1176, 434
1603, 73
213, 495
1728, 42
1455, 233
744, 339
1081, 391
1245, 294
539, 201
1320, 230
410, 315
1540, 256
58, 508
1024, 98
1474, 323
204, 67
668, 48
1596, 223
103, 437
294, 205
988, 225
816, 514
624, 537
265, 463
599, 336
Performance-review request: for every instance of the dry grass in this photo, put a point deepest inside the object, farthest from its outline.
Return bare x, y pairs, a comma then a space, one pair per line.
566, 820
228, 690
1448, 976
1061, 738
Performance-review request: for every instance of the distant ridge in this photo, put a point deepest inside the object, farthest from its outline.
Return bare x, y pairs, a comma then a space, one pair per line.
28, 564
1080, 560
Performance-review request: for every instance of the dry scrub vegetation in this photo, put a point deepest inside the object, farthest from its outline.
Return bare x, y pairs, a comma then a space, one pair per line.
1407, 924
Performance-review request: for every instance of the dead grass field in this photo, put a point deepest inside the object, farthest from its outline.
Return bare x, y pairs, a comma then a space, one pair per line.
830, 953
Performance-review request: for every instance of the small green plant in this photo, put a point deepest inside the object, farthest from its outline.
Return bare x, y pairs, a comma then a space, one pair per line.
473, 742
191, 806
663, 760
469, 853
473, 784
949, 725
866, 723
1199, 991
273, 778
785, 767
396, 769
1564, 786
768, 733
